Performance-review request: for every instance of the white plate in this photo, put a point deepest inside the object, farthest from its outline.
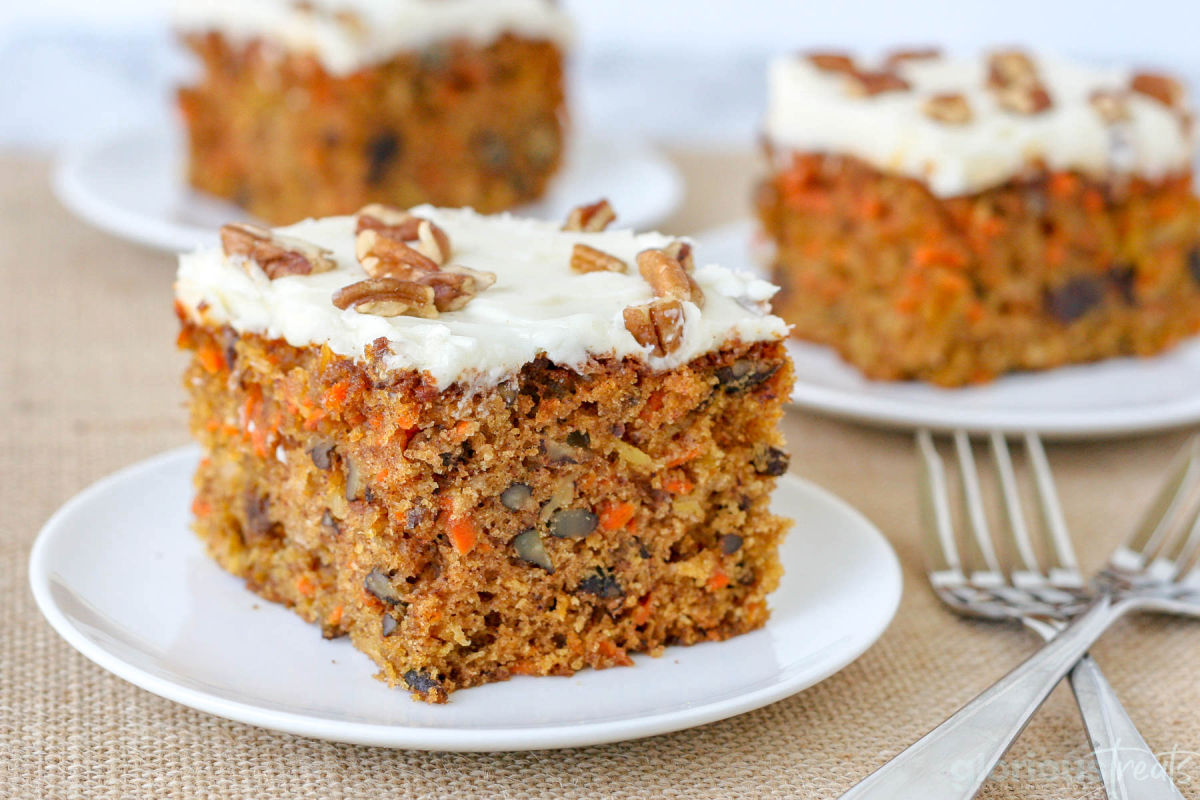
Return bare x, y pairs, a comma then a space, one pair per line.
131, 185
1116, 397
118, 574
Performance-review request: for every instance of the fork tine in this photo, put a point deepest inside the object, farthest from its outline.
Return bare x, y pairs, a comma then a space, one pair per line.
980, 540
940, 546
1064, 566
1160, 517
1177, 556
1017, 529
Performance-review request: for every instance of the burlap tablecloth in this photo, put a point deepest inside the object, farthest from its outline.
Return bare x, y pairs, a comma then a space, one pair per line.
89, 383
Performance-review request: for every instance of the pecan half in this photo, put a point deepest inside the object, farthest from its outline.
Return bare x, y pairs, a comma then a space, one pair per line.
681, 251
426, 237
1162, 88
898, 57
871, 83
383, 255
1110, 104
1008, 68
657, 325
952, 109
277, 255
1021, 99
455, 286
591, 218
667, 277
387, 297
589, 259
830, 61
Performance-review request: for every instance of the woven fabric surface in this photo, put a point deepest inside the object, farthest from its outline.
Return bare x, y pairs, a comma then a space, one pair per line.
89, 383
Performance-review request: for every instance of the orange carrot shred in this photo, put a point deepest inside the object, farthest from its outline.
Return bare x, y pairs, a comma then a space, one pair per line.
615, 516
305, 587
462, 534
679, 486
719, 579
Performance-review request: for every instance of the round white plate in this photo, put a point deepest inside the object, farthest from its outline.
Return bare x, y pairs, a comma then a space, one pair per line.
131, 185
1108, 398
119, 575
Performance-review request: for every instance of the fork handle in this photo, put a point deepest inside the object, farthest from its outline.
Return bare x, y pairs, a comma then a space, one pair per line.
1128, 766
952, 761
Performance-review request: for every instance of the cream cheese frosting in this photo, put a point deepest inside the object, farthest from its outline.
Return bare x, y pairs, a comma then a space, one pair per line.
810, 109
348, 35
537, 307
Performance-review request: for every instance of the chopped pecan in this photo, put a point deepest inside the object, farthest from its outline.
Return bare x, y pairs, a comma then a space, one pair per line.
657, 325
1008, 68
829, 61
952, 109
455, 286
385, 256
1162, 88
277, 255
387, 297
681, 251
589, 259
427, 238
591, 218
898, 57
667, 277
1111, 105
1024, 99
871, 83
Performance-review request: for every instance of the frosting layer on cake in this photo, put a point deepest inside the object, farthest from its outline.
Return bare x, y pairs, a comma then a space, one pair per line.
537, 307
348, 35
818, 109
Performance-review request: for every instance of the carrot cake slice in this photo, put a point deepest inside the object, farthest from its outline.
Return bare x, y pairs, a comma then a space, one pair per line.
486, 446
952, 219
306, 108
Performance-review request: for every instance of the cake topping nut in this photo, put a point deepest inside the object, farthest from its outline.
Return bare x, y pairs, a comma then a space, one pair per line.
871, 83
1162, 88
1009, 68
1111, 105
589, 259
898, 57
396, 224
387, 297
829, 61
592, 218
952, 109
668, 277
278, 256
657, 325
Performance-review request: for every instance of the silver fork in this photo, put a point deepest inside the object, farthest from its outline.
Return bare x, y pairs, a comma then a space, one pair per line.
1155, 570
1039, 599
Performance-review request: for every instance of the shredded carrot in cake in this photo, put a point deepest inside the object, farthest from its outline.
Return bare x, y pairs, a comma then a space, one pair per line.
615, 516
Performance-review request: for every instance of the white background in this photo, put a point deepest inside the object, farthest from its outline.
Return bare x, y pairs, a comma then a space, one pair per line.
684, 70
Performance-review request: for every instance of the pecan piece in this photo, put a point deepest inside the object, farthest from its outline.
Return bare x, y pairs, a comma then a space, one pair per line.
1111, 105
589, 259
387, 297
667, 277
952, 109
657, 325
898, 57
455, 286
592, 218
1162, 88
871, 83
681, 251
277, 255
829, 61
393, 223
1007, 68
386, 256
1023, 99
